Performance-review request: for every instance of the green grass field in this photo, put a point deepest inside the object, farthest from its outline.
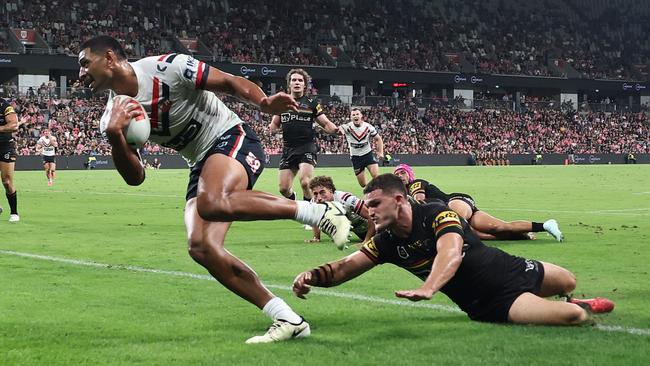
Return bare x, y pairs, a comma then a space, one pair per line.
97, 273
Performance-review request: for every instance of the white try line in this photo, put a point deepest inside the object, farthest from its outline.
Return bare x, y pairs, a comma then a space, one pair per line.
343, 295
622, 211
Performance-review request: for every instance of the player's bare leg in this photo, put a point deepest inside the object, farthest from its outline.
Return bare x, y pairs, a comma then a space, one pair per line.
222, 196
462, 209
485, 222
532, 309
305, 174
206, 247
286, 177
7, 176
373, 169
361, 178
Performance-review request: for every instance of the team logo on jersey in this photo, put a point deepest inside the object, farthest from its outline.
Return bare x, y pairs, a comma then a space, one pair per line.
401, 251
446, 216
253, 162
530, 265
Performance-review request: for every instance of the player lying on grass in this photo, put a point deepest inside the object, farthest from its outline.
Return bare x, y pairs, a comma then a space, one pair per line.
323, 191
435, 244
486, 226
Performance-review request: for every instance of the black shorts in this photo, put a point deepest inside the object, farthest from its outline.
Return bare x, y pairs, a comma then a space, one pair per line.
49, 159
240, 143
359, 163
8, 152
465, 198
292, 158
522, 275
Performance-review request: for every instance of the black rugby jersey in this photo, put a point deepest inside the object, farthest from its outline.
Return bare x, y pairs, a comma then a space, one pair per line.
298, 127
482, 270
5, 110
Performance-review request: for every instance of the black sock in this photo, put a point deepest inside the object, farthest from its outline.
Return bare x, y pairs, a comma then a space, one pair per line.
13, 202
538, 227
306, 199
292, 196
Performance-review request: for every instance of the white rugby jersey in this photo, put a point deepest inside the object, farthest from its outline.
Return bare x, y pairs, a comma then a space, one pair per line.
48, 148
183, 116
352, 205
358, 138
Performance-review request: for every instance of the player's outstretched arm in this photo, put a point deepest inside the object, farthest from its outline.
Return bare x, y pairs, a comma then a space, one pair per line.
444, 267
127, 161
327, 125
332, 274
237, 86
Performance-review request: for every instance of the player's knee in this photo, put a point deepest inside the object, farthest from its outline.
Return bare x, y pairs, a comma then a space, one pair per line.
215, 208
569, 282
575, 315
196, 249
6, 182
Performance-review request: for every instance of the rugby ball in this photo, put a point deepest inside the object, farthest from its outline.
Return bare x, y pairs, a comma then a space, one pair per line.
139, 128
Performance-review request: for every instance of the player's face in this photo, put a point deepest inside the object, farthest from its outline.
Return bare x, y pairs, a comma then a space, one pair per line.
297, 83
46, 133
356, 117
403, 175
382, 208
322, 194
93, 71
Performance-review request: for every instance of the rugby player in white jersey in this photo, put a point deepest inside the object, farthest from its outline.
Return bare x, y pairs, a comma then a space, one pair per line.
46, 146
357, 134
323, 190
224, 154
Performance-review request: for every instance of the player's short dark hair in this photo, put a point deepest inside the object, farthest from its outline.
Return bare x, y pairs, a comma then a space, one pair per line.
322, 181
100, 44
305, 76
355, 109
388, 183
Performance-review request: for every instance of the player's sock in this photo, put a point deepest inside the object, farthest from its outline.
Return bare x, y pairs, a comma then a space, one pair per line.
538, 227
309, 213
13, 202
276, 309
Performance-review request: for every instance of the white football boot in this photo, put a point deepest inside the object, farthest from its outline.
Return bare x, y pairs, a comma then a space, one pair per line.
335, 224
14, 218
553, 228
282, 330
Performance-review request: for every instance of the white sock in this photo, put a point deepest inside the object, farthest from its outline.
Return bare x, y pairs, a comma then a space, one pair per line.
310, 213
276, 309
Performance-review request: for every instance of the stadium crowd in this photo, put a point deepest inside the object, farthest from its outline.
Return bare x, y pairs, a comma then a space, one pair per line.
405, 128
548, 38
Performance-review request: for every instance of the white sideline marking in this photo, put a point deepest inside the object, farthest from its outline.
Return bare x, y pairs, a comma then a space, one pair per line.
622, 211
445, 308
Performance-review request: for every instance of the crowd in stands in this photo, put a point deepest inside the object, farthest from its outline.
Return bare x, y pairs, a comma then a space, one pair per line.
405, 128
575, 38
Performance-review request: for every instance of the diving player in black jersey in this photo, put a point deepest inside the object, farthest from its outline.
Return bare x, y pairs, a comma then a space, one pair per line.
8, 125
486, 226
435, 244
298, 135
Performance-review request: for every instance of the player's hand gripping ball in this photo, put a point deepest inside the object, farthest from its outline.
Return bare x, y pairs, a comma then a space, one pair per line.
139, 128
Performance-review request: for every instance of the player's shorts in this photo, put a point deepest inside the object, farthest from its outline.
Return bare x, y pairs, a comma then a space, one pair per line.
359, 163
465, 198
241, 144
522, 275
49, 159
292, 158
8, 152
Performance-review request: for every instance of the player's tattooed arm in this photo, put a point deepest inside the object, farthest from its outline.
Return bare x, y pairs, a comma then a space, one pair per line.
333, 273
